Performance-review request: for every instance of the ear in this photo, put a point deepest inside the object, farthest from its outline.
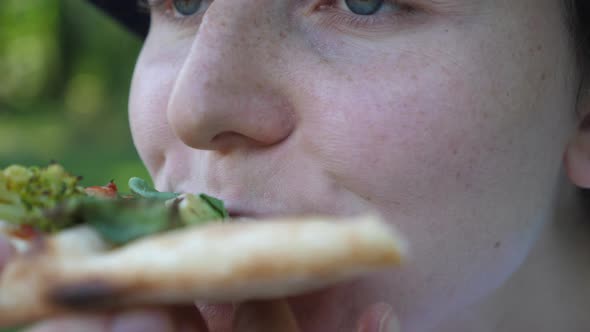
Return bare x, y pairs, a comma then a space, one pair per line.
577, 155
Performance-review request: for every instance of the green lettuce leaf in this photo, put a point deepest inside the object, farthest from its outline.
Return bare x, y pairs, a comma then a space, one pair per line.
216, 204
121, 221
141, 188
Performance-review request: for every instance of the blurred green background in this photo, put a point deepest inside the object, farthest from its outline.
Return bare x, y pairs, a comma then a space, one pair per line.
65, 71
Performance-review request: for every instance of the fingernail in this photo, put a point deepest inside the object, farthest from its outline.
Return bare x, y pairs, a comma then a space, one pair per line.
142, 321
389, 322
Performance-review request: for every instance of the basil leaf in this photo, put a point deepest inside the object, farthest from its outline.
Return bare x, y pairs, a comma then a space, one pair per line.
126, 220
141, 188
216, 204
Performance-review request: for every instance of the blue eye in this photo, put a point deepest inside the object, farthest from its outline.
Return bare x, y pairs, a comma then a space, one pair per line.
187, 7
364, 7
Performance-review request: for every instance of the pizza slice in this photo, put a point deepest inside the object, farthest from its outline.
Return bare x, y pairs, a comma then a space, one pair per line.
94, 249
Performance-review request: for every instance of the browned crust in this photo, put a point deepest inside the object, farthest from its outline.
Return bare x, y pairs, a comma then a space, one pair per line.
279, 265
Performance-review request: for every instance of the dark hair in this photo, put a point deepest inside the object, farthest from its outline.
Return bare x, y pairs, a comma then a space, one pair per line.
578, 17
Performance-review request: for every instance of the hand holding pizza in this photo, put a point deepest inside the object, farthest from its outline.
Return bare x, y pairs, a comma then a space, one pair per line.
142, 260
267, 316
258, 316
255, 316
262, 316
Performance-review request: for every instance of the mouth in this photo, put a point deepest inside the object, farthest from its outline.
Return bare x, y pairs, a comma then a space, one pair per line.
239, 211
235, 214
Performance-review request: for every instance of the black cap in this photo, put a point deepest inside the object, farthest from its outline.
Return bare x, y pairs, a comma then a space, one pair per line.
126, 12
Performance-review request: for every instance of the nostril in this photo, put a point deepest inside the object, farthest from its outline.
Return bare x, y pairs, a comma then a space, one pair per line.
224, 136
226, 141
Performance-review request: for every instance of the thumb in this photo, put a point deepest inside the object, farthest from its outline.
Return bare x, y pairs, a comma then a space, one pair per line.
264, 316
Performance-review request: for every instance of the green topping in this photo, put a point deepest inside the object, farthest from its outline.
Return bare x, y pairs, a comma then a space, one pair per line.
27, 192
50, 200
141, 188
217, 204
196, 209
121, 221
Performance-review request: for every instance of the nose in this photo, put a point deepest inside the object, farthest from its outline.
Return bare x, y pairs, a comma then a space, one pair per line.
227, 93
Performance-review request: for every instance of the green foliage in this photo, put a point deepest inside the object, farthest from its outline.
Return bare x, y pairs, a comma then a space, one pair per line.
122, 220
66, 70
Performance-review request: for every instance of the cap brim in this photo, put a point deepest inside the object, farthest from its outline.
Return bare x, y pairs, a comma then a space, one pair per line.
127, 13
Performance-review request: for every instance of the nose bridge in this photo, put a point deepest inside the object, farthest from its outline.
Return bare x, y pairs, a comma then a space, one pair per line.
230, 44
225, 83
240, 26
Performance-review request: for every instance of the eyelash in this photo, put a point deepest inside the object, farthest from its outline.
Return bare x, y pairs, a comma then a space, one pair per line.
167, 8
345, 18
336, 16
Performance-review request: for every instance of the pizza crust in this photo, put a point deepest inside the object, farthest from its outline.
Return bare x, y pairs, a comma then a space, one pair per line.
236, 261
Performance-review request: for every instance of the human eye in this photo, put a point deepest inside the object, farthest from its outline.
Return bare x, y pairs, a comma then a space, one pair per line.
362, 7
362, 13
177, 10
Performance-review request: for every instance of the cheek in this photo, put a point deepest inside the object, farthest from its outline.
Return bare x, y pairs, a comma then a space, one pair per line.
461, 165
152, 83
393, 140
414, 133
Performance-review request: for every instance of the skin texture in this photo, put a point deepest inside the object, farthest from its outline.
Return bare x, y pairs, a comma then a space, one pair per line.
452, 120
437, 119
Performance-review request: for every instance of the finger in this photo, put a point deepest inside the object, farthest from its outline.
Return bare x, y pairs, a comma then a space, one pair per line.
379, 317
142, 320
264, 316
6, 251
86, 323
170, 319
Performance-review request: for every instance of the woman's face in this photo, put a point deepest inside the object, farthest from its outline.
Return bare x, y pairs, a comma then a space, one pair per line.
449, 117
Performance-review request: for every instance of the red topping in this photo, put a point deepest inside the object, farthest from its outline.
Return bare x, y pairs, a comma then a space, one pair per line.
112, 186
25, 232
108, 191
